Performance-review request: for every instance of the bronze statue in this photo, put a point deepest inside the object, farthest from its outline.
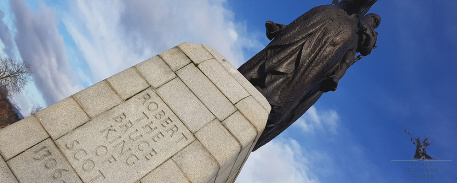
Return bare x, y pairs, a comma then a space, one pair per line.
308, 57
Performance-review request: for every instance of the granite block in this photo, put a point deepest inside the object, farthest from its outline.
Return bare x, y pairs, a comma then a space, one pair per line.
254, 112
197, 164
205, 90
185, 104
175, 58
6, 176
211, 137
155, 71
241, 128
240, 78
196, 52
126, 142
168, 172
42, 163
20, 136
223, 80
62, 117
127, 83
97, 99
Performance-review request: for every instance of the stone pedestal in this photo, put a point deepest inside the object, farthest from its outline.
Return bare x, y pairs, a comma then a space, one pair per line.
186, 115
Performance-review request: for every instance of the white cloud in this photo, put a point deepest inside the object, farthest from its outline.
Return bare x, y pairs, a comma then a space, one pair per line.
41, 46
116, 35
314, 120
278, 161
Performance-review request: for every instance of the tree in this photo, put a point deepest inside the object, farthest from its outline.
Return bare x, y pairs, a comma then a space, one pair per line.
14, 74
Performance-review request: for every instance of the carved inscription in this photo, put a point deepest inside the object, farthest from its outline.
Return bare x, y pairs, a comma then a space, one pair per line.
43, 163
126, 142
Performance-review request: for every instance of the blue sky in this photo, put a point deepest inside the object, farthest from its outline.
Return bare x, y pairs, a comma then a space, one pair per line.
350, 135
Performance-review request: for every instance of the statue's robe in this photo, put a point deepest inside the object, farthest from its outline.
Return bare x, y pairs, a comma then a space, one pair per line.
290, 70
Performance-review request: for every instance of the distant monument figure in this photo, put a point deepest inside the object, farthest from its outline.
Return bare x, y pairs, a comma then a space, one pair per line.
421, 147
308, 57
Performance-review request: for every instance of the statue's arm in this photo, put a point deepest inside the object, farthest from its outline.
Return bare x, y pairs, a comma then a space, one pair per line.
331, 83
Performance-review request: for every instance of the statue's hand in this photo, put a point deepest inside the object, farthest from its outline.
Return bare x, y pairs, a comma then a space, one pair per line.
329, 84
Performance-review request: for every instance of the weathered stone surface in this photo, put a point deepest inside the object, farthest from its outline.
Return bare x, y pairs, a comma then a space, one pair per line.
6, 176
197, 164
205, 90
127, 83
240, 160
196, 52
20, 136
175, 58
144, 124
254, 112
167, 172
211, 137
155, 71
240, 127
126, 142
97, 99
185, 104
62, 117
223, 175
223, 80
42, 163
240, 78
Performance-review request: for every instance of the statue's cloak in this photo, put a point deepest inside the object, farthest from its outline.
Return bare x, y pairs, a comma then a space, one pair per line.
289, 70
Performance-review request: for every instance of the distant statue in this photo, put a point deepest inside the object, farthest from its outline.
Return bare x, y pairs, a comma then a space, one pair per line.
421, 152
308, 57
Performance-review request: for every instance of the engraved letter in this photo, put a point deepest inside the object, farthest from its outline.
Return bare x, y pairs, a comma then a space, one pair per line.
78, 154
88, 165
152, 106
98, 176
72, 145
120, 118
150, 155
166, 122
157, 137
145, 98
159, 115
50, 163
143, 145
133, 137
148, 127
131, 159
101, 150
172, 130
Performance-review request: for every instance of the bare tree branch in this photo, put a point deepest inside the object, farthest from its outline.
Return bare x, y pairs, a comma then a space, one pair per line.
14, 74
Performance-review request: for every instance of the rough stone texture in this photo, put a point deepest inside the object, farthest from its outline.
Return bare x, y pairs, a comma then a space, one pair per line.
62, 117
223, 175
240, 78
143, 124
42, 163
20, 136
211, 137
167, 172
254, 112
97, 99
155, 71
196, 52
127, 83
126, 142
240, 127
197, 163
175, 58
223, 80
205, 90
191, 110
6, 176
